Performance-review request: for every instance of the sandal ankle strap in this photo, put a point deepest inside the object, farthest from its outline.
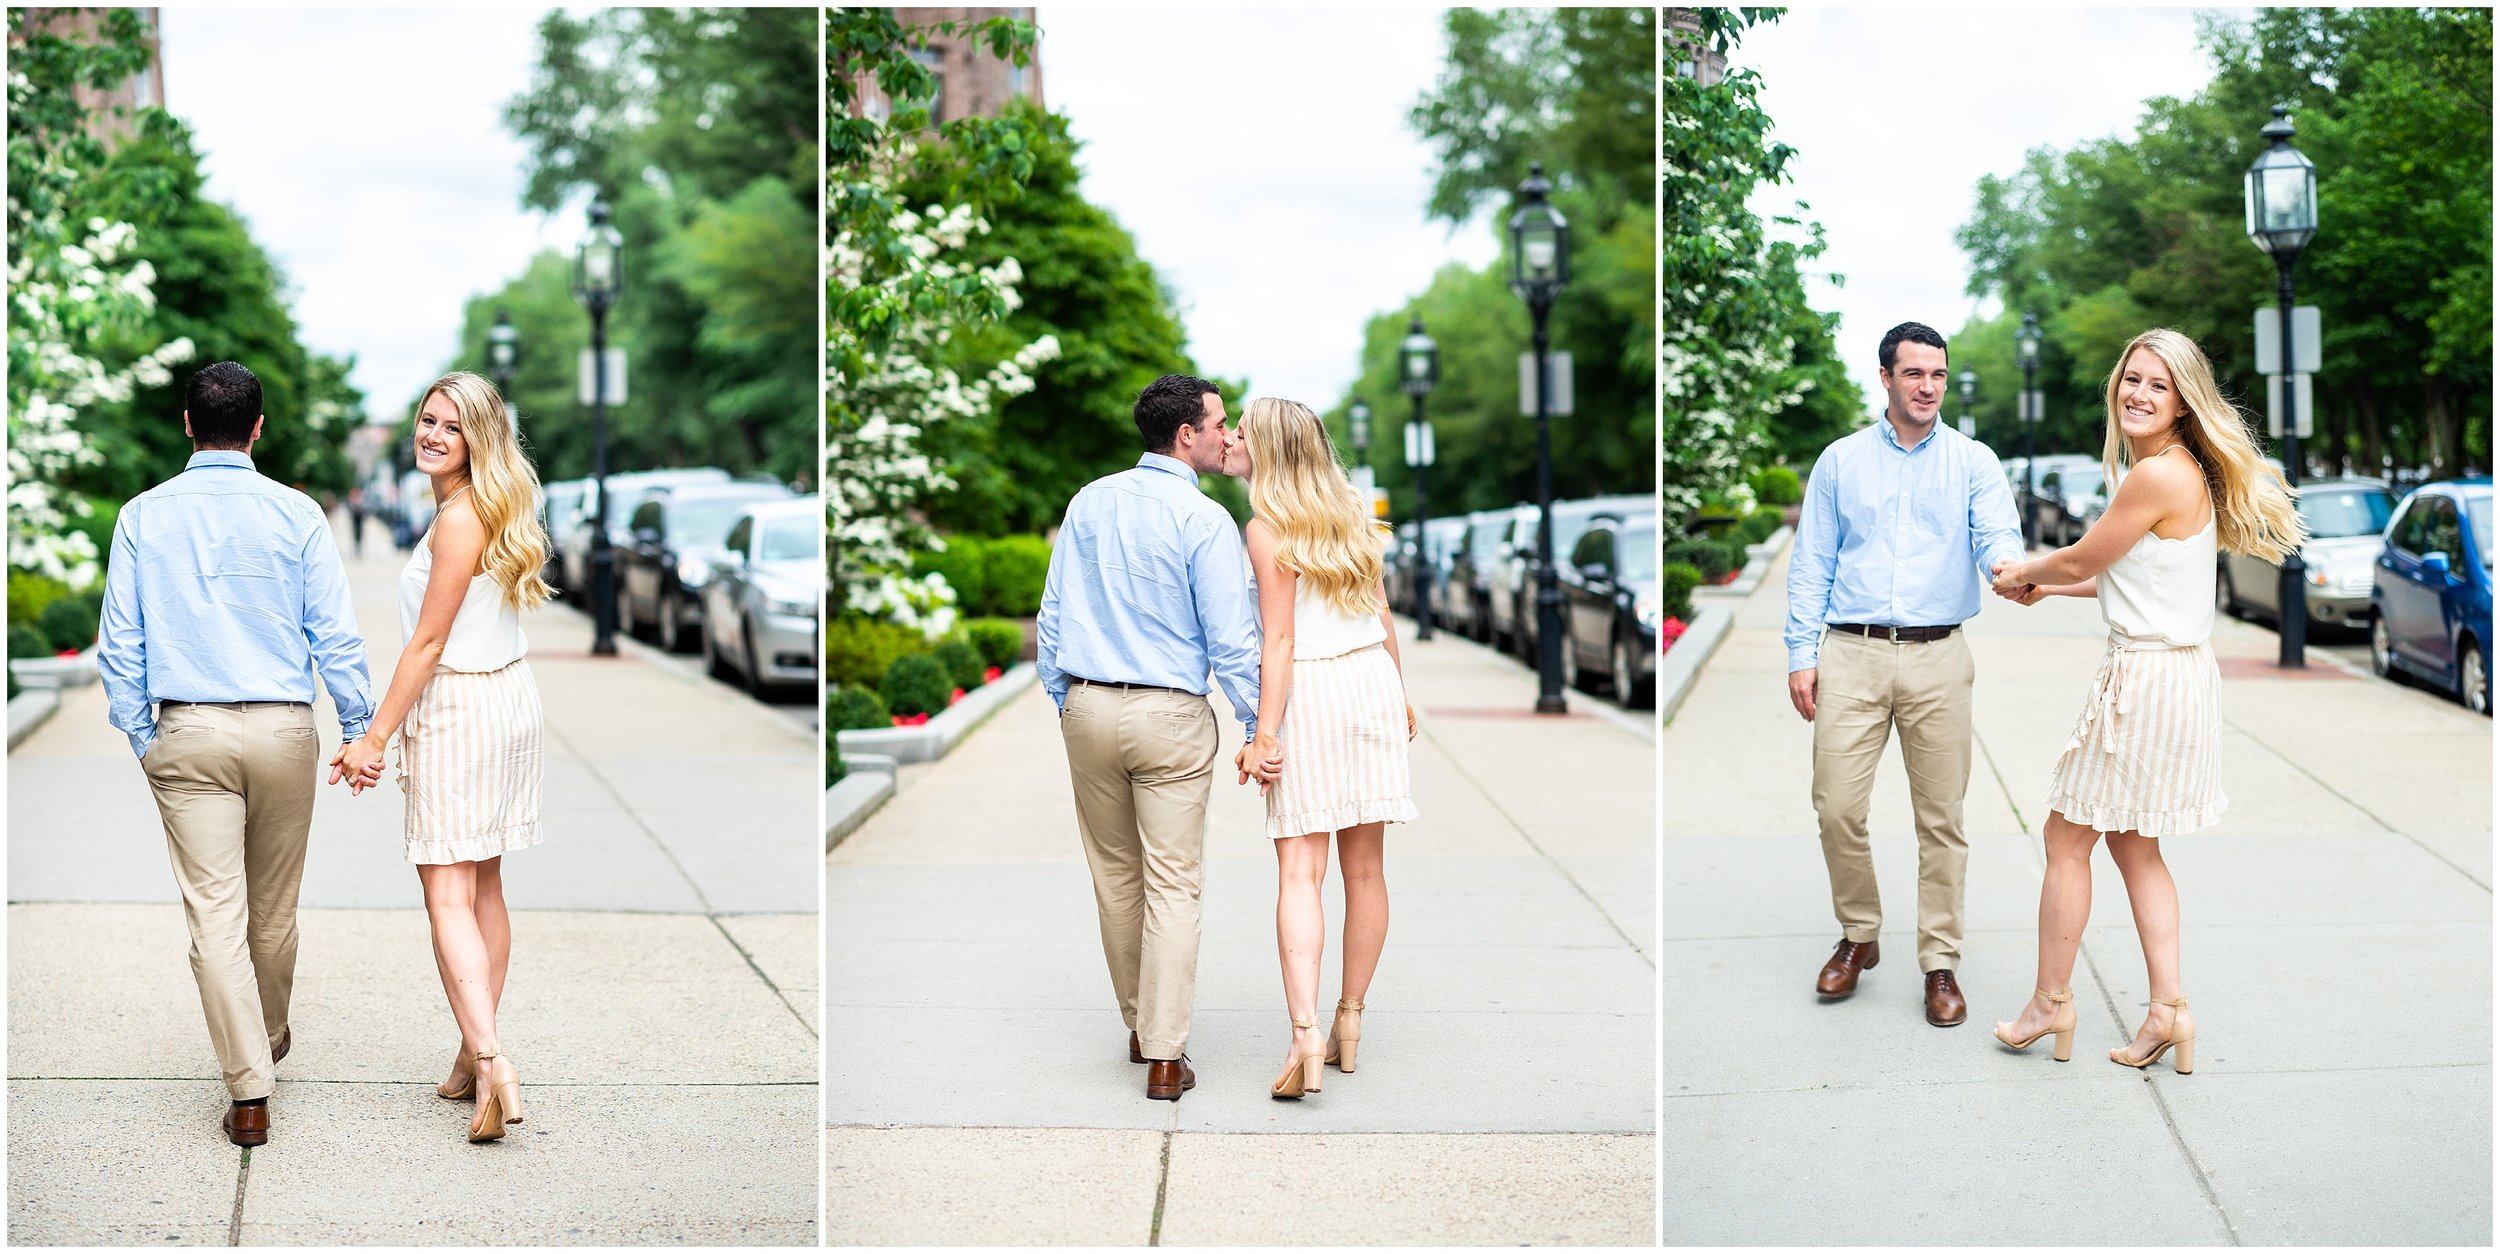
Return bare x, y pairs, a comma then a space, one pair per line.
2068, 995
1304, 1023
1347, 1003
2180, 1002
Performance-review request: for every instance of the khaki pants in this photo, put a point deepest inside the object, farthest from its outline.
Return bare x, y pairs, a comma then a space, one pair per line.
1865, 688
1142, 761
235, 784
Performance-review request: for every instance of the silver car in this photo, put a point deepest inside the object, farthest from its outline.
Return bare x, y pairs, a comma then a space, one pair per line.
760, 606
627, 490
2347, 518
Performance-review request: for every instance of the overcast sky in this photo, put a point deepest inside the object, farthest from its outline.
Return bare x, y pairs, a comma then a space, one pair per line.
1896, 113
1263, 162
366, 151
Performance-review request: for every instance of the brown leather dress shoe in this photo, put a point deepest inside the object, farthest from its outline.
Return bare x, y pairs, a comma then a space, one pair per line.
1839, 977
247, 1125
1945, 1007
1133, 1055
1168, 1078
286, 1041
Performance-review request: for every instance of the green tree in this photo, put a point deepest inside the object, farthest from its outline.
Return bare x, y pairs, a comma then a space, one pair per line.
2110, 237
700, 127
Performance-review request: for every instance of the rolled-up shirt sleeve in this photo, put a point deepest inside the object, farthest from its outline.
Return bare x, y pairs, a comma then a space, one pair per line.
122, 645
338, 649
1219, 575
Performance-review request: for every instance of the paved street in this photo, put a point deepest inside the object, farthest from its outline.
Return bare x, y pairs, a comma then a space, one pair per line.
978, 1090
662, 1005
2337, 950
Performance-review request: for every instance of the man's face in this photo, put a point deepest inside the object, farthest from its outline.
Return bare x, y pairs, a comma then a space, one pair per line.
1914, 387
1202, 446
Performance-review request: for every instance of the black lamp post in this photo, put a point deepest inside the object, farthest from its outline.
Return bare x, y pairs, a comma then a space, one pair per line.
2282, 216
1419, 367
1540, 267
598, 274
503, 350
1359, 426
2027, 347
1969, 379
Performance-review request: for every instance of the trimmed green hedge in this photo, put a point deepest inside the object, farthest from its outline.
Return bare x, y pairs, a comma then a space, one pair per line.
70, 622
1758, 525
998, 640
915, 684
960, 661
851, 707
860, 651
1676, 581
1713, 558
1778, 485
1014, 568
964, 563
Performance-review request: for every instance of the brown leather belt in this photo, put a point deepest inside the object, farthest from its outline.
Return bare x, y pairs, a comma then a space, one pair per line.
1898, 635
1105, 683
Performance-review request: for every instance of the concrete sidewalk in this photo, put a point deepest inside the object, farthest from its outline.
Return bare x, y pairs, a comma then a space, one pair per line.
2337, 949
977, 1084
661, 1009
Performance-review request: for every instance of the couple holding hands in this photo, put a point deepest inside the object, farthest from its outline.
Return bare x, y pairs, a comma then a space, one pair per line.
1899, 521
224, 594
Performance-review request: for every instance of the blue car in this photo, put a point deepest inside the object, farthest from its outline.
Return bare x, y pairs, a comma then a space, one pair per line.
2430, 598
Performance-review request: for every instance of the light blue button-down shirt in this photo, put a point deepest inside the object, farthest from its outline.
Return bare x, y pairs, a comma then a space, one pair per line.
1897, 537
1149, 584
226, 586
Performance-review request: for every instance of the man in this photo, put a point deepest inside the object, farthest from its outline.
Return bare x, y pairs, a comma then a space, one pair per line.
223, 595
1148, 591
1902, 522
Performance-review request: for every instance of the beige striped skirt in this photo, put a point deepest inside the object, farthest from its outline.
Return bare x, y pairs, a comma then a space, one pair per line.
472, 759
1344, 739
2142, 756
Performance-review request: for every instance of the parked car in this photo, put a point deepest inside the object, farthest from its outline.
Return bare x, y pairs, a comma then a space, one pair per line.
2048, 517
2073, 497
1442, 538
2430, 598
559, 507
759, 609
2347, 521
1611, 613
677, 535
626, 490
1473, 571
1570, 519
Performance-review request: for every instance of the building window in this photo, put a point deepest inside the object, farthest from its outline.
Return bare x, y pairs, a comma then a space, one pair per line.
937, 73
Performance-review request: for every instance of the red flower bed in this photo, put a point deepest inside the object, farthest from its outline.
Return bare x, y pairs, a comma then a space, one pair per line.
1669, 632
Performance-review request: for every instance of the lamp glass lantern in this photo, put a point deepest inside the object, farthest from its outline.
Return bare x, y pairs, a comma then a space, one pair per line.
1359, 426
2282, 192
1540, 240
599, 266
1419, 361
503, 343
2027, 340
1969, 379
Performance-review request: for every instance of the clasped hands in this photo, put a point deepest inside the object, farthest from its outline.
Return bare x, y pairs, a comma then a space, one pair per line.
2007, 582
359, 762
1262, 759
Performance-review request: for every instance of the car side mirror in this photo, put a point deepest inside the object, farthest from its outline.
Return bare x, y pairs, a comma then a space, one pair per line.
1596, 572
2436, 564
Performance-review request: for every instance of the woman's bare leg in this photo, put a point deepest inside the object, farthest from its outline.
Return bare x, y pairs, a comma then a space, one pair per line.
2065, 907
2154, 897
1301, 933
1359, 856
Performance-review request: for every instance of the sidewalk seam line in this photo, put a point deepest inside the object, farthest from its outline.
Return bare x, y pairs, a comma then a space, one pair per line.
242, 1177
1576, 886
2364, 811
749, 959
2161, 1105
592, 769
1163, 1180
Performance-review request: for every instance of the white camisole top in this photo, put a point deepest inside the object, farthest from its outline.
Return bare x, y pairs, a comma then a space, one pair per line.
1321, 630
485, 634
2160, 594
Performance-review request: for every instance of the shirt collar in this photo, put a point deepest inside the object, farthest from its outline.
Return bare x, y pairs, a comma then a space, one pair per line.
1892, 435
1169, 465
236, 458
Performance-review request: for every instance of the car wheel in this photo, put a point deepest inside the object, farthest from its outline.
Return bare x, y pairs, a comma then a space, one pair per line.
672, 618
756, 687
714, 664
1628, 692
2474, 676
2382, 663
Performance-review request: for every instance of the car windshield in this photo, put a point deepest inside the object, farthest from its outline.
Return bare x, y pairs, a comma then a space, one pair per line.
2336, 515
788, 539
2478, 508
2080, 480
1637, 548
705, 520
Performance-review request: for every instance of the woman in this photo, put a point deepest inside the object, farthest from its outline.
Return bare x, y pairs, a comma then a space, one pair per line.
1329, 682
466, 712
2141, 762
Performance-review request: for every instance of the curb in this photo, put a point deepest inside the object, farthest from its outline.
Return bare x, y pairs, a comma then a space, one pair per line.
29, 710
55, 672
1683, 663
849, 803
933, 739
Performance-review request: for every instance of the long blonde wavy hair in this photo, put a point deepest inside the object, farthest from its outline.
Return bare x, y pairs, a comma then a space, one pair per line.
2253, 511
503, 484
1324, 531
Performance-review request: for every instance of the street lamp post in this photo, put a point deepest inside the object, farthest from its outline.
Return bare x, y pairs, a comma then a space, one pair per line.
1540, 267
1359, 425
1969, 380
1419, 367
598, 274
2282, 192
503, 350
2027, 346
